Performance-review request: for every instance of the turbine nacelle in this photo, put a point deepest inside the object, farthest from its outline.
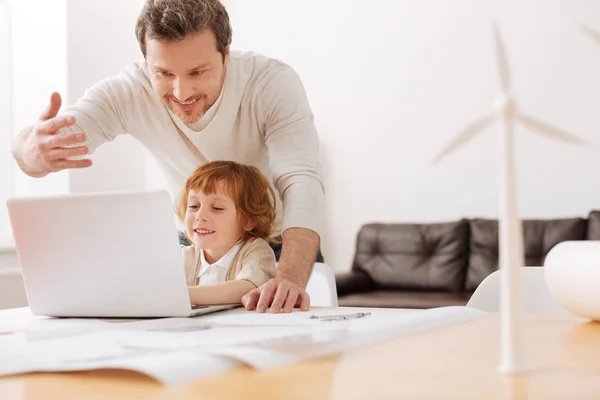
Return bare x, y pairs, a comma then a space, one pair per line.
506, 106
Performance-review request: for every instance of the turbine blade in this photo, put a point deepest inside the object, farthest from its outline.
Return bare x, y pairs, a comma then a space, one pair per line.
464, 136
502, 61
592, 34
549, 131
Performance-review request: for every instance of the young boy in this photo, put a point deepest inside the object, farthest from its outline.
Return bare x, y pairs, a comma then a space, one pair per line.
228, 210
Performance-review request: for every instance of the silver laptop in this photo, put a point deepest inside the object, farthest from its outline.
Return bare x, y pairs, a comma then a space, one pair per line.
100, 255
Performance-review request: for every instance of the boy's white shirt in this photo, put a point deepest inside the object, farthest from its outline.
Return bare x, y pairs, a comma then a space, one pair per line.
263, 119
216, 272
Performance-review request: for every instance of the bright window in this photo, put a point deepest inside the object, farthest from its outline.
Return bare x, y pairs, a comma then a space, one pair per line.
6, 128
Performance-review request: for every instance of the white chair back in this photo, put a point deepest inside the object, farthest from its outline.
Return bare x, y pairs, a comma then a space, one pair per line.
321, 286
536, 296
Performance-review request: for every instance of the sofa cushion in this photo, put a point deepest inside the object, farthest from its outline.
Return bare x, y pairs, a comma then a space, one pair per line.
414, 256
404, 299
539, 237
593, 232
353, 282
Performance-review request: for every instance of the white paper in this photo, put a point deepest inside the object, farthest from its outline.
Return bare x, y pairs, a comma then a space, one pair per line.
90, 346
104, 349
169, 349
212, 337
13, 356
174, 350
175, 367
360, 332
167, 367
303, 318
21, 320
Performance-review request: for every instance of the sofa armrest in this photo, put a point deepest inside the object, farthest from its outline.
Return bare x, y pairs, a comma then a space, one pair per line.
353, 282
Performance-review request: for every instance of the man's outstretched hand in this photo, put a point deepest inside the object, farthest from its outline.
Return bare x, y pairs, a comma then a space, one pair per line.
43, 150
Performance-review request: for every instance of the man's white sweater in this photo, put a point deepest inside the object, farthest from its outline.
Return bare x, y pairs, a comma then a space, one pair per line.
262, 118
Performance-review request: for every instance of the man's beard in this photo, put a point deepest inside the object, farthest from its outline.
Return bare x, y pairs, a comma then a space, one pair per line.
184, 117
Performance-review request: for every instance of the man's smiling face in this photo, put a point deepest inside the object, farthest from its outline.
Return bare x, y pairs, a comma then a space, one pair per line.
188, 74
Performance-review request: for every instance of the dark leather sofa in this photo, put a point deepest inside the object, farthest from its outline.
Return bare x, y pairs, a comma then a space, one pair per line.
440, 264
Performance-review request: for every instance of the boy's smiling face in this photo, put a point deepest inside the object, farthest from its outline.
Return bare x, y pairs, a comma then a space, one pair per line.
212, 222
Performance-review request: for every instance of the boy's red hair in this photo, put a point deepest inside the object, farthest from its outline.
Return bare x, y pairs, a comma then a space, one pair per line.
249, 189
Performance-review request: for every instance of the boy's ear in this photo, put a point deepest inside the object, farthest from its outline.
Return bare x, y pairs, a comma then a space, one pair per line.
249, 225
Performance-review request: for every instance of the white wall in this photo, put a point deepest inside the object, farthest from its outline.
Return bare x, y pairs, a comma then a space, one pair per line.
5, 127
390, 81
101, 42
39, 68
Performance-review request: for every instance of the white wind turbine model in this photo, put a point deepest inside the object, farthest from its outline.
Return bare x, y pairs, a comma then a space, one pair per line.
511, 256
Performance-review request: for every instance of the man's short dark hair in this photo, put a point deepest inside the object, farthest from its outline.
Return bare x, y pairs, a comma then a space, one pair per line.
173, 20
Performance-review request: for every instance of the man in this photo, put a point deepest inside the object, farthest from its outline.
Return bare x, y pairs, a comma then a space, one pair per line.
192, 101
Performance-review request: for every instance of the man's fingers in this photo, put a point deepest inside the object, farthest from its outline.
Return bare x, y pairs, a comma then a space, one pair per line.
71, 164
250, 300
52, 110
279, 300
65, 140
266, 295
303, 301
279, 294
60, 153
292, 296
52, 125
